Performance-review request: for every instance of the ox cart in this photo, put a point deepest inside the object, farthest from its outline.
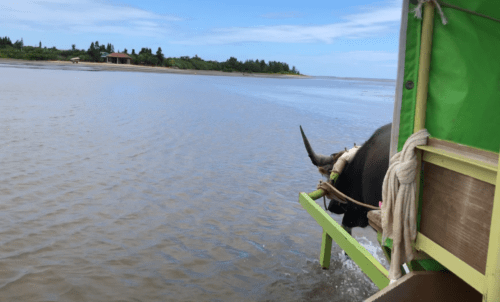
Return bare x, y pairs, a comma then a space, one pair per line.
448, 82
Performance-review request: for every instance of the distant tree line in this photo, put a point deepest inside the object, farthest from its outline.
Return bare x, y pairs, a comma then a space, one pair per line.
232, 64
145, 56
18, 50
6, 42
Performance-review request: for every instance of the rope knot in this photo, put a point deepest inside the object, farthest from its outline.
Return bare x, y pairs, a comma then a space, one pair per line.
418, 10
405, 171
399, 217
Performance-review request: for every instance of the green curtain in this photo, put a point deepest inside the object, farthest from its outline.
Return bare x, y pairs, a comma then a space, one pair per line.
463, 104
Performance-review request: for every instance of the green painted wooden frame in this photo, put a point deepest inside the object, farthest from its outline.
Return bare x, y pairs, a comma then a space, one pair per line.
492, 276
332, 230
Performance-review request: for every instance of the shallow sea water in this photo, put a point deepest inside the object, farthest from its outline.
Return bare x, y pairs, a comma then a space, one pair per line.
125, 186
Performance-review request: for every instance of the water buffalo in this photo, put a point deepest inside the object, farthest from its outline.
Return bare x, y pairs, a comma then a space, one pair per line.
361, 179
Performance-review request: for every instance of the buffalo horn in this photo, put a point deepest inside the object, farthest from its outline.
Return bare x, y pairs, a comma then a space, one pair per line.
317, 160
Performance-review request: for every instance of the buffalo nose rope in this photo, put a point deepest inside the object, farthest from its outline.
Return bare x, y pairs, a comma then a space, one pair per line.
331, 192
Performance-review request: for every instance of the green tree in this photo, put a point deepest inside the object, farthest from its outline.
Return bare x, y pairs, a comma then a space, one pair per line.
40, 44
159, 56
73, 46
5, 41
93, 52
145, 50
263, 66
125, 50
96, 55
153, 60
19, 44
286, 67
232, 63
133, 51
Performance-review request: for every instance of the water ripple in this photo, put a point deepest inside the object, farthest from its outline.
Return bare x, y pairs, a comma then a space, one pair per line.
171, 187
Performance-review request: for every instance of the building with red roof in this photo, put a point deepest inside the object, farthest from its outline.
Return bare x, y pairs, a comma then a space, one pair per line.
118, 58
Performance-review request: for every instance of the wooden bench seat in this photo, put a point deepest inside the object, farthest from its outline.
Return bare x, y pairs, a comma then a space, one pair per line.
375, 220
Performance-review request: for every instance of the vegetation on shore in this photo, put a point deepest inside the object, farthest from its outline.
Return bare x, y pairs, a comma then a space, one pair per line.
17, 50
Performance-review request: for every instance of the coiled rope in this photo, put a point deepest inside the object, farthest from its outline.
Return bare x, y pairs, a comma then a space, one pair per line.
399, 214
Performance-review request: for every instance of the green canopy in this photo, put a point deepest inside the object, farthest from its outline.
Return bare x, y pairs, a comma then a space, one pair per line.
463, 104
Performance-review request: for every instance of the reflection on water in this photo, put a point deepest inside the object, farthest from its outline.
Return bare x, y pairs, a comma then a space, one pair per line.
146, 187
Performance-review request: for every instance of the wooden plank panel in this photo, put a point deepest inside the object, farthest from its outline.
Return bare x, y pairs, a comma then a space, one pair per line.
456, 213
375, 220
473, 153
427, 286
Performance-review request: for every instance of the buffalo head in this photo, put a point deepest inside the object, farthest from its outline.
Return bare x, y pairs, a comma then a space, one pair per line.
361, 179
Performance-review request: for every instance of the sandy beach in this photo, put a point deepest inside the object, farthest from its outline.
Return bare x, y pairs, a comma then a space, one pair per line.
66, 65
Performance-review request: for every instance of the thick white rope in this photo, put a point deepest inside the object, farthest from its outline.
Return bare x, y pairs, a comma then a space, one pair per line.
344, 159
418, 10
399, 214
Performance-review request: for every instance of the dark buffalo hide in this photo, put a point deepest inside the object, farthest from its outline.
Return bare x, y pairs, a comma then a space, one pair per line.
361, 179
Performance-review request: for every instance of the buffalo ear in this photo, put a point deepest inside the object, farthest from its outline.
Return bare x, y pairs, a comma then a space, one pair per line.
326, 170
322, 171
336, 156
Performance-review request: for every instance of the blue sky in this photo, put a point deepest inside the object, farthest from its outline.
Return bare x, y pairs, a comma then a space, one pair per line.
323, 38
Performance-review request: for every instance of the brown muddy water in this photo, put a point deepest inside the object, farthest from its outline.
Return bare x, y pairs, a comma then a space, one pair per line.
119, 186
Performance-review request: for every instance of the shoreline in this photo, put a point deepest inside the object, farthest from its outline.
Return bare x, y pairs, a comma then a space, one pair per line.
89, 66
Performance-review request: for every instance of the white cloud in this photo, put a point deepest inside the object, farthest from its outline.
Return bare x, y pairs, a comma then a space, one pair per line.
360, 25
82, 16
384, 15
